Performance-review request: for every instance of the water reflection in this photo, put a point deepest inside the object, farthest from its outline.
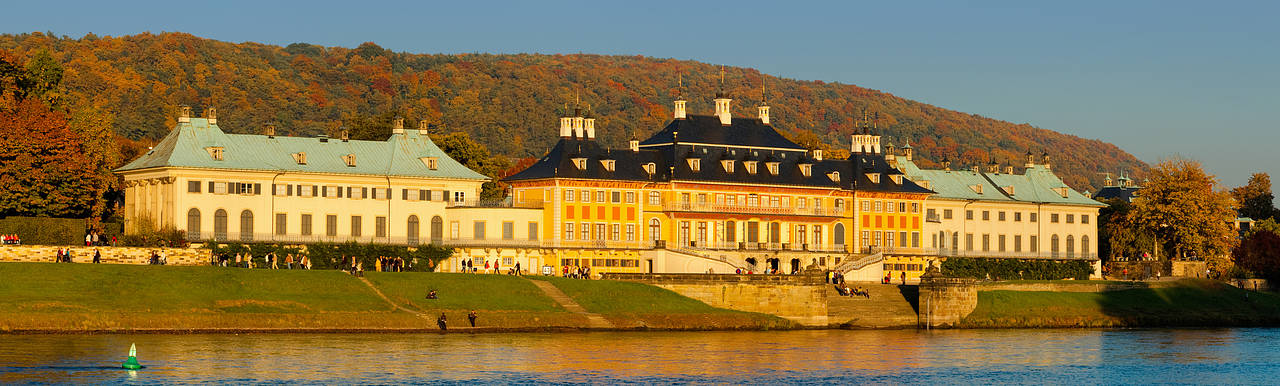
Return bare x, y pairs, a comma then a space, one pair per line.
906, 356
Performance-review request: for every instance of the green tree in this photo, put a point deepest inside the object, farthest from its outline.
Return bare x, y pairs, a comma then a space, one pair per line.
468, 152
42, 77
1181, 206
1254, 199
1119, 235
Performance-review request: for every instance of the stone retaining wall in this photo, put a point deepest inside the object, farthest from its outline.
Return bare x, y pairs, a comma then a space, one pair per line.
110, 255
1074, 287
944, 301
804, 304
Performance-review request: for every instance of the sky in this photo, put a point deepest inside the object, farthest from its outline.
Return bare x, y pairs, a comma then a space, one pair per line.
1157, 78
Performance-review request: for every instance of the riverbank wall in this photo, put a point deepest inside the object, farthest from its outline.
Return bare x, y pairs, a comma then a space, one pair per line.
799, 298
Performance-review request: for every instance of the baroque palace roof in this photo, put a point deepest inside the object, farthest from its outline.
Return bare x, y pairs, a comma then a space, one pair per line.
699, 148
1037, 185
405, 154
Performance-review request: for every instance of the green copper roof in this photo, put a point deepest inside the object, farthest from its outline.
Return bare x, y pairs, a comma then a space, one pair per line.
1037, 184
400, 155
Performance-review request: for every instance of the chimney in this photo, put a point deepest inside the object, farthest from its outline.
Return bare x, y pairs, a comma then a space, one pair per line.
184, 114
269, 130
589, 124
722, 109
817, 154
680, 114
1031, 159
946, 163
993, 167
566, 127
397, 126
211, 114
344, 134
1008, 169
634, 145
976, 169
423, 126
764, 113
1046, 160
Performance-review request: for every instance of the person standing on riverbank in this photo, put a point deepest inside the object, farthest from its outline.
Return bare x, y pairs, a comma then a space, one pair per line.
471, 317
442, 322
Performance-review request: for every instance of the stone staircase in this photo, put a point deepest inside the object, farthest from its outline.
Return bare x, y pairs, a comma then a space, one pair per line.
889, 306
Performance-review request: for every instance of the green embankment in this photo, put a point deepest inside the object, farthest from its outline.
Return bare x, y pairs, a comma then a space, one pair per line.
1186, 303
108, 297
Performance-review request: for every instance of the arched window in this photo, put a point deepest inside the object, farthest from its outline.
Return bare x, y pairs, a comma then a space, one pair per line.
1071, 246
220, 225
246, 225
1084, 245
437, 230
193, 224
413, 230
838, 234
655, 229
1053, 245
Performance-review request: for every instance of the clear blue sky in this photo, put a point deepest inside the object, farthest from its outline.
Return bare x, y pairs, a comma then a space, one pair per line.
1157, 78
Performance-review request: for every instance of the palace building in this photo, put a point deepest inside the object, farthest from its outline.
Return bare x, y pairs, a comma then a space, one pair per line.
993, 212
717, 193
265, 187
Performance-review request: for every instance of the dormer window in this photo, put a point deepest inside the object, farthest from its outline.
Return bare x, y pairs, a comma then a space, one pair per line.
977, 188
432, 162
834, 176
897, 178
580, 163
773, 167
1061, 191
350, 160
695, 164
650, 168
215, 152
1009, 190
874, 177
806, 170
608, 164
751, 166
728, 165
300, 158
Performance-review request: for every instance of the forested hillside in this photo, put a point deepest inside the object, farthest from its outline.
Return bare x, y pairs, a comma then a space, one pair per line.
510, 103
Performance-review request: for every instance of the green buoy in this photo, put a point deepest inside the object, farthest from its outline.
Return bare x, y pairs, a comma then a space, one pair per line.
132, 362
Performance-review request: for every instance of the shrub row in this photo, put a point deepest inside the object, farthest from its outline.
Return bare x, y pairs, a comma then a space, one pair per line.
1015, 269
52, 231
423, 258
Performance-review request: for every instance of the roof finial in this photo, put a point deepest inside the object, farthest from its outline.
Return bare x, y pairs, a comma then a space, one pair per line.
679, 85
764, 97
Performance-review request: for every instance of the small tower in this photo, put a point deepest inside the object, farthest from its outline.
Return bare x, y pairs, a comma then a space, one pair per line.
946, 163
423, 126
397, 126
906, 149
566, 123
1046, 160
211, 114
680, 102
184, 114
1031, 159
764, 103
722, 103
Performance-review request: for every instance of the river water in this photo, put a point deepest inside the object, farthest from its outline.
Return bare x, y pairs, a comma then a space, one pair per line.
1215, 356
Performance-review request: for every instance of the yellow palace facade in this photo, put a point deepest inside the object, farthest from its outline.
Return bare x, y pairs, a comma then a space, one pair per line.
711, 193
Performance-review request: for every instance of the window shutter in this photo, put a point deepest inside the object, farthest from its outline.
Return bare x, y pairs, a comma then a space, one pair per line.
324, 192
446, 196
210, 186
427, 196
273, 189
422, 195
364, 192
404, 194
349, 192
257, 188
288, 190
339, 189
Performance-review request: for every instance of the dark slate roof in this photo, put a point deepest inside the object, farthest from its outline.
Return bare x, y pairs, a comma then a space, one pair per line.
706, 129
558, 163
1117, 193
863, 164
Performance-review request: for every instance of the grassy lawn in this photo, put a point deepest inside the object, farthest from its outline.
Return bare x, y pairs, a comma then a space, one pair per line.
48, 287
616, 297
1188, 302
460, 291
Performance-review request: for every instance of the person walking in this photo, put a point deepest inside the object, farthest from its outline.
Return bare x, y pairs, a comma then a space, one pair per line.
471, 317
97, 256
518, 268
904, 277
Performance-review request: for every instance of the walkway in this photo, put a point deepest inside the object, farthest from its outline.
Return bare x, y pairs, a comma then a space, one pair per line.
593, 320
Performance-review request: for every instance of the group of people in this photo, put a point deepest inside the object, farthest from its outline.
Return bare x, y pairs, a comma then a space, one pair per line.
834, 277
576, 272
844, 290
469, 266
96, 239
389, 264
63, 256
888, 278
245, 260
443, 321
158, 258
10, 239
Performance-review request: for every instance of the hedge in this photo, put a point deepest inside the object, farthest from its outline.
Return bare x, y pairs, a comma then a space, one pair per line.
1015, 269
423, 258
52, 231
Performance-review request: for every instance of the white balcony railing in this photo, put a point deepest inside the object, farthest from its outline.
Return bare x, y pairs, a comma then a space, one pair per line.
750, 209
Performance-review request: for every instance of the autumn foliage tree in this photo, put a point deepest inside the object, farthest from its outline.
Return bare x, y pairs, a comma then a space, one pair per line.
1254, 199
1182, 205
